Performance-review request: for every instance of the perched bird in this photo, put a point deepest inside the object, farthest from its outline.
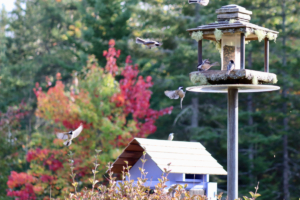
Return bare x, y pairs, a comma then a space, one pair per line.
205, 65
171, 136
230, 67
148, 43
69, 136
201, 2
175, 94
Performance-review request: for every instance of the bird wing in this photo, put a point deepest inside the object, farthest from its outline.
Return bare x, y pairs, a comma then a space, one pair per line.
203, 2
206, 61
149, 43
77, 131
140, 41
172, 94
63, 136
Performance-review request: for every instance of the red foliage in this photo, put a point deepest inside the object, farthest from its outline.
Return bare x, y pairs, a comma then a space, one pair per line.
111, 58
135, 96
24, 181
26, 193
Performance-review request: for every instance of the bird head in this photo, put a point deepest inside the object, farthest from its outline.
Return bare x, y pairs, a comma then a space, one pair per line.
180, 88
171, 134
231, 61
157, 44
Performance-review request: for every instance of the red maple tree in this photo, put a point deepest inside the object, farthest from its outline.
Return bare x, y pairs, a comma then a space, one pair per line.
130, 103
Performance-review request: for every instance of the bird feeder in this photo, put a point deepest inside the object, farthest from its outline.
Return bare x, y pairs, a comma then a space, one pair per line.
230, 34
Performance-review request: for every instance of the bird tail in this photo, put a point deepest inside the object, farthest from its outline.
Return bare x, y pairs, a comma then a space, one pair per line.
193, 1
215, 64
139, 41
68, 143
228, 72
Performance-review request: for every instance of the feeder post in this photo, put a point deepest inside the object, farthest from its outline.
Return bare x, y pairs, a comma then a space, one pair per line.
242, 51
266, 54
199, 52
232, 144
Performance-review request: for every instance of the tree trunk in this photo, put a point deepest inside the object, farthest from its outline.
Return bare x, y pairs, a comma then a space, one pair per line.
286, 169
194, 120
250, 124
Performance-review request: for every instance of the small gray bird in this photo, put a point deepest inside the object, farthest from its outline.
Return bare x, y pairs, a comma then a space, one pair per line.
69, 136
148, 43
205, 65
171, 136
175, 94
201, 2
230, 67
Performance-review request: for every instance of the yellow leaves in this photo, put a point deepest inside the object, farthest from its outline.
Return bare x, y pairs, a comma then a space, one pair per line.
75, 29
75, 184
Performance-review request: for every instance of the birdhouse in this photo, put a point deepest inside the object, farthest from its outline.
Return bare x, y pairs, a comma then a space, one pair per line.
190, 164
230, 33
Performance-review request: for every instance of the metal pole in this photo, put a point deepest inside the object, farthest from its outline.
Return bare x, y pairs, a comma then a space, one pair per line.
266, 55
199, 52
232, 144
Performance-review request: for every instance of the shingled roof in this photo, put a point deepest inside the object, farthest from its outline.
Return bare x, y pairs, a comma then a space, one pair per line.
185, 157
232, 19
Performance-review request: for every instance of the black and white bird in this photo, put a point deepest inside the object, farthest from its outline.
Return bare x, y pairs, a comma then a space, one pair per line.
69, 136
175, 94
205, 65
171, 136
201, 2
230, 67
148, 43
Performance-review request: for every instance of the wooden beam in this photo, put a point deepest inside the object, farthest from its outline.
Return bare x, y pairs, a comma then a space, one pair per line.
242, 51
266, 55
199, 51
134, 147
131, 154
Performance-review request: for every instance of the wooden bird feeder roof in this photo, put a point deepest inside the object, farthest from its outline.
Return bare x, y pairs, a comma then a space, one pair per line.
232, 19
185, 157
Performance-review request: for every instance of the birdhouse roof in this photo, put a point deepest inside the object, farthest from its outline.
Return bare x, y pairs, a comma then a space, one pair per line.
232, 19
185, 157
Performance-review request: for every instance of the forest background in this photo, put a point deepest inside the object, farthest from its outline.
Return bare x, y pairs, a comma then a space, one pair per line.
63, 62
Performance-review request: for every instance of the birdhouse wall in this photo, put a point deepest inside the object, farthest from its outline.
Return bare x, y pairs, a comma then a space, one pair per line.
154, 172
231, 49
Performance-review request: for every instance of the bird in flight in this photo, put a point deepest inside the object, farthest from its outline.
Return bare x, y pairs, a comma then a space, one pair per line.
201, 2
148, 43
205, 65
175, 94
69, 136
171, 136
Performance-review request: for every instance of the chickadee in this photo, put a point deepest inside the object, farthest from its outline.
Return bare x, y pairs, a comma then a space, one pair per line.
205, 65
69, 136
149, 43
175, 94
171, 136
230, 67
201, 2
